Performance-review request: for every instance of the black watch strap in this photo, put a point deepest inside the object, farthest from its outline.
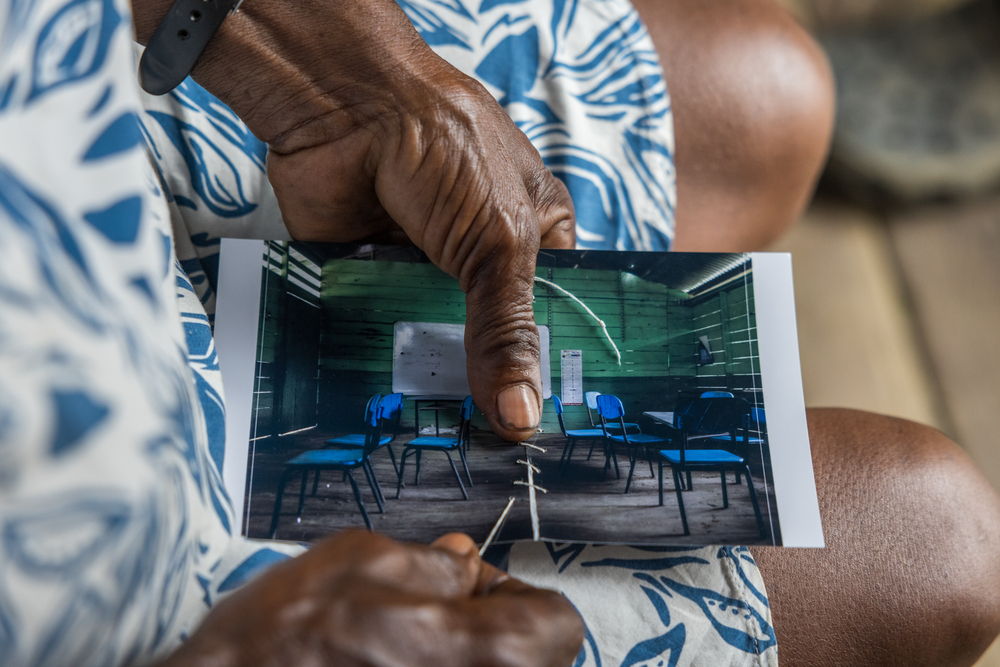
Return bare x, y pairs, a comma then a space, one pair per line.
179, 41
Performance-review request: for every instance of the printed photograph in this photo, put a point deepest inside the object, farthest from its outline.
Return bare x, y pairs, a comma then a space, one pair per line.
653, 430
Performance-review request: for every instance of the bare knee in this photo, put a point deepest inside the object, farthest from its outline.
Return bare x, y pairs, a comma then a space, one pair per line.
752, 96
910, 572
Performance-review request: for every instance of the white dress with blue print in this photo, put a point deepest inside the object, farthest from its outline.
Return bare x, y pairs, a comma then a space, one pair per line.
116, 534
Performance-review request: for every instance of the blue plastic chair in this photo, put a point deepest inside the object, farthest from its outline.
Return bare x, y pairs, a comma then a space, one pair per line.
757, 421
610, 410
591, 398
574, 436
390, 411
352, 440
754, 433
342, 460
443, 444
708, 415
716, 394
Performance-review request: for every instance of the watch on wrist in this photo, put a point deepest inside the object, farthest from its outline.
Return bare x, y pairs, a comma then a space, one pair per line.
179, 41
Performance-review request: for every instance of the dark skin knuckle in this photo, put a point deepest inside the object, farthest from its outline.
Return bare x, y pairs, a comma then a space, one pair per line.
511, 334
504, 247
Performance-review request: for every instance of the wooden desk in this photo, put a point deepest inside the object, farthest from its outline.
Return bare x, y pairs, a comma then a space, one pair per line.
437, 404
661, 417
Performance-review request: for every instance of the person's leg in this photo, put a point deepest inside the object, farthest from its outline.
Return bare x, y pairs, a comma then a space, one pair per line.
911, 572
752, 98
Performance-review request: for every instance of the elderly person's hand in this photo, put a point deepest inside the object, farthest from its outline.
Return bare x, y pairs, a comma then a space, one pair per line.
363, 599
373, 136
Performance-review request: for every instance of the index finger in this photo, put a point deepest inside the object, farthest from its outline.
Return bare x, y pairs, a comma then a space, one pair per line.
449, 569
519, 625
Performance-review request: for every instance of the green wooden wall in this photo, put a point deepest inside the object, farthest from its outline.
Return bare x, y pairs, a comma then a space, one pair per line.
655, 328
728, 317
285, 391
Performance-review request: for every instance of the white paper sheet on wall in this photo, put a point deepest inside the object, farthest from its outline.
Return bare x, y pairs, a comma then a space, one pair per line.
571, 366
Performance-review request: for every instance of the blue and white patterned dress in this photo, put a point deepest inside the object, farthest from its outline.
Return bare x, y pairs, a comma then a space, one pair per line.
116, 534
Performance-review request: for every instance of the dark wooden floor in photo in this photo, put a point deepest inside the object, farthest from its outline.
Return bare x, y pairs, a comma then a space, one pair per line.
584, 505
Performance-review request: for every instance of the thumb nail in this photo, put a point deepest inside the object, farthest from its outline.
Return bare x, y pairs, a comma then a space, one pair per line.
518, 407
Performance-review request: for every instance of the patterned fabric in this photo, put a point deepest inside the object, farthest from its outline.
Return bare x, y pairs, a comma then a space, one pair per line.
582, 80
658, 607
116, 534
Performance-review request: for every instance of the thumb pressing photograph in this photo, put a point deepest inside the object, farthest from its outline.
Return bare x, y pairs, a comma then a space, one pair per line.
670, 393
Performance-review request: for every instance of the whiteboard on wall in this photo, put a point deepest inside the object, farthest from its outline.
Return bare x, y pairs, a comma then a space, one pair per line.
428, 359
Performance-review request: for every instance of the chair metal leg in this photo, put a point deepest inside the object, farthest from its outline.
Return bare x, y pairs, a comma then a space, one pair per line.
373, 485
649, 460
660, 465
377, 488
569, 455
756, 507
690, 485
273, 532
680, 500
451, 462
357, 499
416, 479
302, 494
611, 456
591, 450
631, 470
725, 492
392, 457
315, 482
465, 464
402, 470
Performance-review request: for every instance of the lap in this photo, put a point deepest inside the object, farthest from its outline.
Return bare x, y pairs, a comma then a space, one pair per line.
910, 571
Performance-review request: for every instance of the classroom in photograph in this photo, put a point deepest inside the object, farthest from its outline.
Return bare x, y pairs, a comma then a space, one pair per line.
653, 428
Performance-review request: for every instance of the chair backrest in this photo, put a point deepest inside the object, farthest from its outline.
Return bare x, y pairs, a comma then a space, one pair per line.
465, 413
373, 423
390, 411
391, 406
757, 423
468, 407
716, 394
557, 402
590, 398
712, 415
610, 407
372, 410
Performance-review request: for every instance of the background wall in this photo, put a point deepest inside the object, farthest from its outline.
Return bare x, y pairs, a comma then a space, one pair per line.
285, 393
656, 329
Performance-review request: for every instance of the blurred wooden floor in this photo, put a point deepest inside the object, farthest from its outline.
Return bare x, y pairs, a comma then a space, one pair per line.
900, 313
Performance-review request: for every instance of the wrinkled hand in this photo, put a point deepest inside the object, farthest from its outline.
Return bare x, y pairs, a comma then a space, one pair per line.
373, 136
363, 599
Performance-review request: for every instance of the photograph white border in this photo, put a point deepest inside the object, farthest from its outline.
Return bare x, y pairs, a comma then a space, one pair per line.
238, 312
238, 303
784, 403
